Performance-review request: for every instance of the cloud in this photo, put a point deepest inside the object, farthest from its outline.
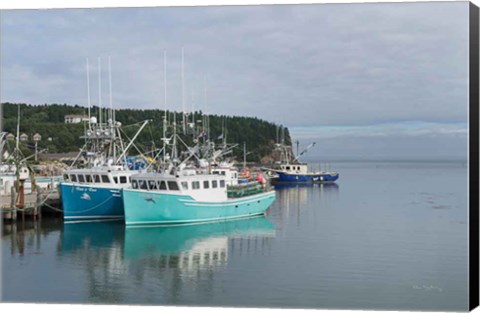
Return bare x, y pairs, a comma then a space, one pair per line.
298, 65
407, 129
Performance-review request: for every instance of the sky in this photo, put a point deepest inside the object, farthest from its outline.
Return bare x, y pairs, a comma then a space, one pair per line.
373, 80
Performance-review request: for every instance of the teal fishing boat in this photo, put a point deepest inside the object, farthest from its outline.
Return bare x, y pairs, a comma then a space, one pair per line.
192, 196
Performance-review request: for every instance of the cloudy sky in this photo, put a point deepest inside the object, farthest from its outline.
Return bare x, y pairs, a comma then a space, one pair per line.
361, 80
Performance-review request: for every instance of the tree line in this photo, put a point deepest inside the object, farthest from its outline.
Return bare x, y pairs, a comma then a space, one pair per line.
48, 120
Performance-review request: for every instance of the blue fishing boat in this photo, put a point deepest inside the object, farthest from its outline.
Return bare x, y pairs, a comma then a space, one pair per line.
94, 191
296, 172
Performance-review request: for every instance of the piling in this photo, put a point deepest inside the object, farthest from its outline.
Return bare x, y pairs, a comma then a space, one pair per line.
37, 202
13, 205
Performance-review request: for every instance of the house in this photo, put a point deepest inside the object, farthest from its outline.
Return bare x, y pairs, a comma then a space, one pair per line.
75, 118
10, 136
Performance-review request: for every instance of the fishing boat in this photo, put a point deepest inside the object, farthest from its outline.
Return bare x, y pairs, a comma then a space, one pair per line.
93, 192
184, 193
297, 172
15, 167
190, 196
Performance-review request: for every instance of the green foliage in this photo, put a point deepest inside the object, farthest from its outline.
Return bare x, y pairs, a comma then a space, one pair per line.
49, 121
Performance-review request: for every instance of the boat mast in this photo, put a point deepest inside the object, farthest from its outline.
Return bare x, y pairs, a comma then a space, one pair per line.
164, 139
207, 120
244, 154
183, 91
111, 119
99, 93
297, 142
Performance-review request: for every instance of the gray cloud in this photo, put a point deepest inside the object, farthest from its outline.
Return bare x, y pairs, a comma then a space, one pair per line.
298, 65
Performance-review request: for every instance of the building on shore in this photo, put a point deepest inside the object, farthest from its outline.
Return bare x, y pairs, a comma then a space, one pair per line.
75, 119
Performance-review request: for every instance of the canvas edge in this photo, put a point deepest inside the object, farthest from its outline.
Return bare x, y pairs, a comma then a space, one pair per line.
474, 156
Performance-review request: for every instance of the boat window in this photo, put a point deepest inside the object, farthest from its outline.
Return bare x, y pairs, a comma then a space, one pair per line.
105, 179
73, 178
222, 183
287, 168
223, 173
142, 184
172, 185
88, 178
195, 185
65, 177
214, 184
97, 178
184, 185
115, 179
81, 178
152, 185
206, 184
163, 185
123, 179
134, 184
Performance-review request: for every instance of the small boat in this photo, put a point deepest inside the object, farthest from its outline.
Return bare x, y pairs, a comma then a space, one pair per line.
296, 172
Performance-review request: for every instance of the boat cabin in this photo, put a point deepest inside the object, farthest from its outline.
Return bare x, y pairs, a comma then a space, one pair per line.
294, 168
192, 185
99, 176
231, 175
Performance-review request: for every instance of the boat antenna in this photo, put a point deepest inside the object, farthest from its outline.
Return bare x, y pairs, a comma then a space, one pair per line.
110, 88
165, 80
88, 96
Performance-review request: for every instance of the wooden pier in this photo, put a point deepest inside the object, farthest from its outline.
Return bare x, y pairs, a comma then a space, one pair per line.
34, 204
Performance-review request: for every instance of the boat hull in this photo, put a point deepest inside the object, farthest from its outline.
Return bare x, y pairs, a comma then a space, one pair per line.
144, 208
306, 178
91, 202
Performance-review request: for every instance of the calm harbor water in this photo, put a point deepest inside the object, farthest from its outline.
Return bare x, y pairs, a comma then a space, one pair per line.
387, 236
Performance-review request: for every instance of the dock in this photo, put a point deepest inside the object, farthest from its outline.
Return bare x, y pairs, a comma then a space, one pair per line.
38, 202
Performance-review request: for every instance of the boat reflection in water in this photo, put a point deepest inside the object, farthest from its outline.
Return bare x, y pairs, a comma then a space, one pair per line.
194, 246
299, 194
295, 200
185, 246
92, 235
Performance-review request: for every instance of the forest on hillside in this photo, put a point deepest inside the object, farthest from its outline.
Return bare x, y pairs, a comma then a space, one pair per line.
48, 120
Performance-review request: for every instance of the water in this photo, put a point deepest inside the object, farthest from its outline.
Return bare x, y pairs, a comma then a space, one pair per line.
387, 236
